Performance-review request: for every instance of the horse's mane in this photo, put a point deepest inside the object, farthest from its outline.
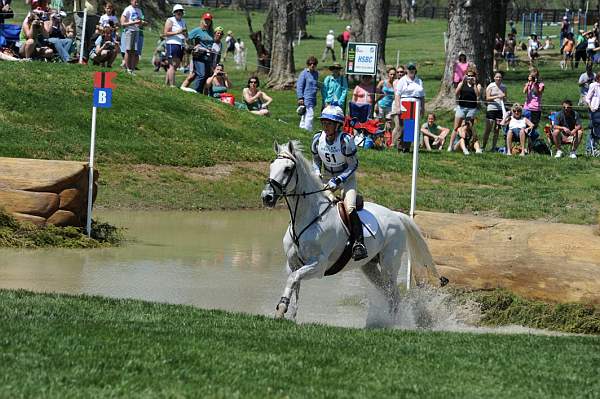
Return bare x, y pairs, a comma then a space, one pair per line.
304, 167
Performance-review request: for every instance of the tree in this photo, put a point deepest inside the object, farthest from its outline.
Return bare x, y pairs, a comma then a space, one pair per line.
237, 4
499, 23
263, 53
300, 17
370, 23
468, 32
345, 9
283, 73
407, 8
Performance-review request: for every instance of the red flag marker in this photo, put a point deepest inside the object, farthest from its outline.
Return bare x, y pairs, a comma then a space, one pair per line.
103, 80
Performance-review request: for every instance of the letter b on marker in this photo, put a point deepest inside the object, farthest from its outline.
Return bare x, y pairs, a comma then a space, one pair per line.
103, 98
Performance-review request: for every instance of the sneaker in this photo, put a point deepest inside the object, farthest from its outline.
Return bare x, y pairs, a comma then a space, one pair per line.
188, 89
573, 155
558, 154
479, 151
466, 152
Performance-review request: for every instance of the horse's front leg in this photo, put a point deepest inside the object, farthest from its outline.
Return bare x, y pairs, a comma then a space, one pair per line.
293, 283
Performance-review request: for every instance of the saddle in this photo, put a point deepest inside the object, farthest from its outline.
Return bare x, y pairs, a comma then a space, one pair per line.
346, 255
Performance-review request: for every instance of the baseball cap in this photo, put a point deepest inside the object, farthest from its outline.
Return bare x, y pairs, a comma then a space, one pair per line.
411, 66
207, 15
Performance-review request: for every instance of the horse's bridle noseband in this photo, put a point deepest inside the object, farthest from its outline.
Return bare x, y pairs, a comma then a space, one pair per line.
282, 187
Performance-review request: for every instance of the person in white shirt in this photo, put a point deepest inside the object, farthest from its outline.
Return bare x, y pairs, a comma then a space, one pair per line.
410, 86
240, 54
109, 18
131, 20
329, 43
175, 33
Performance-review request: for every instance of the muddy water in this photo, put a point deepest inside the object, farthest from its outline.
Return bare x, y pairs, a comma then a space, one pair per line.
224, 260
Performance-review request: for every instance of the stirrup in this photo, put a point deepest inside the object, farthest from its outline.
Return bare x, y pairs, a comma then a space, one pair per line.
359, 251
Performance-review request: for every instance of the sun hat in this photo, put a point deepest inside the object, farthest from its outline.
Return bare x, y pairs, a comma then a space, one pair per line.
347, 27
331, 31
178, 7
229, 32
336, 65
207, 15
219, 29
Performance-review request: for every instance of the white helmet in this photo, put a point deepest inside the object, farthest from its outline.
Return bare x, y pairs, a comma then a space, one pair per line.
177, 7
333, 113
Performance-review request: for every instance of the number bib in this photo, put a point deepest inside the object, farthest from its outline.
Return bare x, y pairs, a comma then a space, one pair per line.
331, 154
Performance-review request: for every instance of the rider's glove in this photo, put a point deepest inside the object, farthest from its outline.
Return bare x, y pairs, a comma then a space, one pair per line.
333, 183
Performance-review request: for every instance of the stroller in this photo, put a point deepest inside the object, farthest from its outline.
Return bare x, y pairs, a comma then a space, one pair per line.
592, 147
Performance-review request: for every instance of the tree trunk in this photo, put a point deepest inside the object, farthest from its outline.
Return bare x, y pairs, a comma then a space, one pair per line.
407, 11
263, 55
499, 23
283, 72
300, 17
370, 23
468, 32
345, 9
237, 4
358, 19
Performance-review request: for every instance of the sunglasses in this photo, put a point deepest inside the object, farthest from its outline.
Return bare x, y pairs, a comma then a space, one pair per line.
312, 63
253, 81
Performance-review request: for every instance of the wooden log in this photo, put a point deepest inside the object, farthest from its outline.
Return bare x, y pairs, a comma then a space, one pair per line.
53, 190
548, 261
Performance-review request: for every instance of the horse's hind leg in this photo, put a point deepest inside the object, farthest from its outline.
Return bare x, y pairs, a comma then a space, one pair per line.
385, 281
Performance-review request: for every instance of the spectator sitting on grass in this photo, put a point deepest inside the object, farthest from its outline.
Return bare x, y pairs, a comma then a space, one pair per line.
567, 129
159, 58
433, 135
256, 100
218, 83
465, 138
106, 48
33, 38
518, 126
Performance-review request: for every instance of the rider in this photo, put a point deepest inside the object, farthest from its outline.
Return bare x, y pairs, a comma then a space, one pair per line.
336, 151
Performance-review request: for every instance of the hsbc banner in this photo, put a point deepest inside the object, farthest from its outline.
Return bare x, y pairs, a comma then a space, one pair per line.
362, 58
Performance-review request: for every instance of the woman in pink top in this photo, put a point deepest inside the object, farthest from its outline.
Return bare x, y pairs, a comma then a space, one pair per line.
364, 92
533, 90
460, 69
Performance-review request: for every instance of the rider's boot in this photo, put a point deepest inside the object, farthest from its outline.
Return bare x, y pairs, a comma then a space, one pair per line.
359, 251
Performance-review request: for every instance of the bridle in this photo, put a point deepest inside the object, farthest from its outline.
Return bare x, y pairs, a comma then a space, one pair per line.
282, 188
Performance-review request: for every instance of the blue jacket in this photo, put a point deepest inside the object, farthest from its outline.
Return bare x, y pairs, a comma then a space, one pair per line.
335, 90
307, 87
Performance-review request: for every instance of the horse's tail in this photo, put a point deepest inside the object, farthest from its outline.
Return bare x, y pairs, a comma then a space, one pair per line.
418, 249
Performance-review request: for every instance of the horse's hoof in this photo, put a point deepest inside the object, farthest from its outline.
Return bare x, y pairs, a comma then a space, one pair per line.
280, 311
444, 281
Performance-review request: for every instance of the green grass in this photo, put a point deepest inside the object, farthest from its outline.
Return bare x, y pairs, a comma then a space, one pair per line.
58, 346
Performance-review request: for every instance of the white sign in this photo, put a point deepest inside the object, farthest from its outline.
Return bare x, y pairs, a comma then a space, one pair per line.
362, 58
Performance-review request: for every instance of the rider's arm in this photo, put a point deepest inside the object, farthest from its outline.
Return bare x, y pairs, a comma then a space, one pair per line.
349, 150
316, 158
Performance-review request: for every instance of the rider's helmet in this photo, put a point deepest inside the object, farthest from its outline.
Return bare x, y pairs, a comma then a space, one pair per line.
333, 113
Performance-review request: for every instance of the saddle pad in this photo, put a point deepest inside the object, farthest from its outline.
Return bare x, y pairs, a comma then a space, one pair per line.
370, 225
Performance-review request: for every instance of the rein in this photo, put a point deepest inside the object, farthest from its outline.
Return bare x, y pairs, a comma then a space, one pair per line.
293, 213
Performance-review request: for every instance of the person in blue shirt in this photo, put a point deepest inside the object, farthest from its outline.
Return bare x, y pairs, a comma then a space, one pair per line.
335, 87
306, 92
203, 38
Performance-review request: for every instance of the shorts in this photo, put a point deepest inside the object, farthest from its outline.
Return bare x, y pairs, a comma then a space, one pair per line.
516, 132
130, 40
568, 55
174, 51
494, 114
464, 112
509, 57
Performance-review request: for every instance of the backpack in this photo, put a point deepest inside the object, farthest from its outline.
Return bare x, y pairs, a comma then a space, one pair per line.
340, 38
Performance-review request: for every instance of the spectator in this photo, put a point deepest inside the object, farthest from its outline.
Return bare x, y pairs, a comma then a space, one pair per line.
533, 90
468, 93
518, 126
567, 50
548, 45
565, 29
140, 42
584, 82
239, 56
580, 48
592, 43
433, 135
6, 11
175, 33
513, 29
218, 83
229, 45
460, 69
131, 20
410, 86
533, 48
495, 94
159, 58
109, 18
592, 99
202, 38
365, 91
400, 72
32, 38
567, 129
335, 87
498, 49
386, 88
105, 49
217, 47
329, 43
465, 138
510, 46
345, 36
256, 100
58, 36
91, 22
306, 93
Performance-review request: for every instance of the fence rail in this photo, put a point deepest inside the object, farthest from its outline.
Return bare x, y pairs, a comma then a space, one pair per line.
331, 7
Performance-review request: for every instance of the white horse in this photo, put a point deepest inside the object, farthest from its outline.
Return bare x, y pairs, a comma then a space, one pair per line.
316, 236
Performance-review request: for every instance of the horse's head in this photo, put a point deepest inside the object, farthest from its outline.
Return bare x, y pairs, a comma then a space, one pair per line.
283, 176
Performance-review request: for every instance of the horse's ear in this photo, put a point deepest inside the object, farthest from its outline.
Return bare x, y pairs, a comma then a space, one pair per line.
275, 147
291, 147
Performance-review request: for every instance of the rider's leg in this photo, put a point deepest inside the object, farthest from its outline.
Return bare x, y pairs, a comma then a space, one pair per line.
359, 250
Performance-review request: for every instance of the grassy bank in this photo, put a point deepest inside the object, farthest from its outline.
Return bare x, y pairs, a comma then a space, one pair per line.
57, 345
14, 234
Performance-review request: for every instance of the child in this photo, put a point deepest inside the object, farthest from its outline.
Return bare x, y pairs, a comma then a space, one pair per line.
109, 18
466, 138
433, 135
